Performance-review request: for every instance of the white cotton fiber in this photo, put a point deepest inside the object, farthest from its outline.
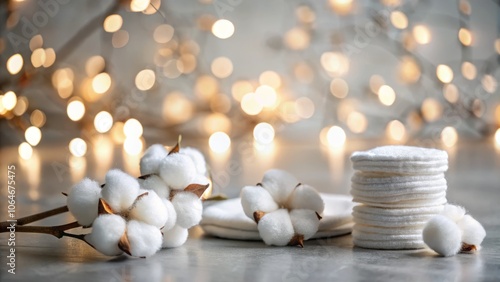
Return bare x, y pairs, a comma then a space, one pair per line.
150, 161
155, 183
197, 158
442, 235
107, 230
200, 179
256, 198
174, 237
83, 199
149, 209
473, 232
177, 170
306, 197
453, 212
145, 240
120, 190
189, 209
304, 222
172, 215
279, 184
276, 228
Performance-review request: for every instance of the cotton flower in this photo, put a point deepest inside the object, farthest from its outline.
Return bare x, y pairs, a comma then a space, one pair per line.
149, 209
442, 235
144, 239
197, 158
83, 199
107, 231
188, 208
150, 161
120, 190
442, 231
177, 171
286, 212
174, 237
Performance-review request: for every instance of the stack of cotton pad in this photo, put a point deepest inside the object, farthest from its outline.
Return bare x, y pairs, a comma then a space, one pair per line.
400, 188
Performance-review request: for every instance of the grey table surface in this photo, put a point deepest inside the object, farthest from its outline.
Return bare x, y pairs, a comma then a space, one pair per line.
473, 181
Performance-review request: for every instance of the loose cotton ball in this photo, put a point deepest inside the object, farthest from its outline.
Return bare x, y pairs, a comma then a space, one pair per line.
276, 228
120, 190
150, 162
177, 170
83, 199
107, 230
442, 235
473, 232
145, 240
189, 209
174, 237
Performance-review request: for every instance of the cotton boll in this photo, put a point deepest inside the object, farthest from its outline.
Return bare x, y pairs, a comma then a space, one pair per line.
107, 230
150, 161
256, 198
120, 190
150, 209
172, 215
174, 237
279, 184
306, 197
200, 179
305, 222
178, 171
155, 183
145, 240
473, 232
453, 212
83, 199
189, 209
197, 158
442, 235
276, 228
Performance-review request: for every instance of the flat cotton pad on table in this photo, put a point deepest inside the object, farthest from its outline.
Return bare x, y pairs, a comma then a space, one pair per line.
226, 219
400, 188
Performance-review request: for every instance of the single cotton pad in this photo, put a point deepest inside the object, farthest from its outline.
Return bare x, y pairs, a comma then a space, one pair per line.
397, 193
402, 168
394, 224
394, 186
399, 212
392, 218
407, 230
389, 244
379, 237
400, 153
406, 203
382, 198
363, 177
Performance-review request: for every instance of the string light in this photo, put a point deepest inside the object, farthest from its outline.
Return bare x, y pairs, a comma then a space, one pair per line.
206, 87
15, 64
163, 33
339, 88
266, 96
263, 133
25, 151
450, 93
431, 109
75, 110
341, 7
145, 79
336, 64
21, 106
497, 137
444, 73
469, 70
223, 29
103, 122
37, 118
336, 137
297, 38
465, 36
33, 135
409, 70
50, 57
399, 20
376, 81
422, 34
357, 122
304, 107
240, 88
36, 42
250, 104
489, 83
386, 95
132, 146
38, 57
219, 142
177, 108
93, 66
396, 130
449, 136
120, 39
270, 78
139, 5
78, 147
222, 67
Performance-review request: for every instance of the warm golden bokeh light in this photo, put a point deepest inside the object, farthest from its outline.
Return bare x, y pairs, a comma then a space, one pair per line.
240, 88
75, 110
15, 64
163, 33
139, 5
263, 133
101, 83
113, 23
133, 146
132, 128
304, 107
444, 73
305, 14
206, 87
449, 136
50, 57
335, 137
465, 36
422, 34
33, 135
78, 147
297, 38
469, 70
250, 104
431, 109
450, 93
396, 130
103, 122
336, 64
36, 42
409, 70
219, 142
266, 95
399, 20
386, 95
38, 118
38, 57
21, 105
94, 65
357, 122
339, 88
270, 78
341, 7
145, 79
177, 108
223, 29
376, 81
489, 83
25, 151
9, 100
222, 67
120, 39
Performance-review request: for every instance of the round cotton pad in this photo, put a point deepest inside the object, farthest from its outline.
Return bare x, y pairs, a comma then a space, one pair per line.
399, 212
394, 186
389, 244
408, 230
363, 177
379, 237
393, 218
400, 153
406, 203
386, 199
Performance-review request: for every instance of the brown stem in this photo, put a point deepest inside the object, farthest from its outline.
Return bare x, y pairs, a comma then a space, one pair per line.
57, 231
42, 215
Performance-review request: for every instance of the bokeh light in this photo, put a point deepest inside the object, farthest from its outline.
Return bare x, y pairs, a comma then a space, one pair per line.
386, 95
132, 128
219, 142
145, 79
25, 151
33, 135
223, 29
444, 73
113, 23
263, 133
103, 122
101, 83
336, 137
78, 147
15, 64
449, 136
75, 110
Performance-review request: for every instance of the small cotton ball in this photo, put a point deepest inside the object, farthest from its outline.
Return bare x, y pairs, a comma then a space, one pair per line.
107, 230
473, 232
306, 197
256, 198
120, 190
305, 222
174, 237
197, 158
189, 209
150, 161
276, 228
83, 199
150, 209
145, 240
172, 215
442, 235
155, 183
453, 212
178, 171
279, 184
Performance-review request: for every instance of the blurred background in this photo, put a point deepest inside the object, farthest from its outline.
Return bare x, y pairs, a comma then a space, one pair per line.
89, 85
